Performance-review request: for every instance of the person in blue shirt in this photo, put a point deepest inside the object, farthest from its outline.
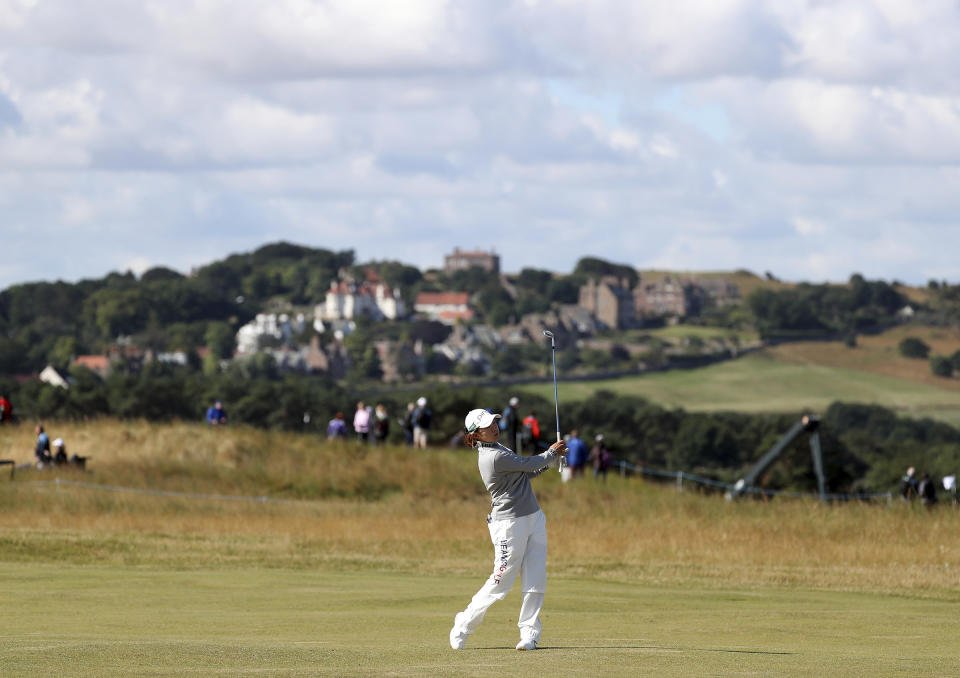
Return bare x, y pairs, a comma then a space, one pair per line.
337, 428
216, 415
577, 456
42, 450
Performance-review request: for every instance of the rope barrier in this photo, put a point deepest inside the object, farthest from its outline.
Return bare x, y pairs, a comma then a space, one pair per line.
681, 476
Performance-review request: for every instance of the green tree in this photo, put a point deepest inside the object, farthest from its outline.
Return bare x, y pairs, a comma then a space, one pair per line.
535, 280
13, 356
220, 340
591, 267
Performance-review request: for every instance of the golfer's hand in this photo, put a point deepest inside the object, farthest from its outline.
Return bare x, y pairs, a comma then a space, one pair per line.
560, 448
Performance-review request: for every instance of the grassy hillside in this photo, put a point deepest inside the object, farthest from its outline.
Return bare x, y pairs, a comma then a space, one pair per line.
746, 281
803, 375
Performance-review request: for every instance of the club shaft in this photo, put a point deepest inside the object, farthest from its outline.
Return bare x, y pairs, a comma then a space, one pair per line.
556, 399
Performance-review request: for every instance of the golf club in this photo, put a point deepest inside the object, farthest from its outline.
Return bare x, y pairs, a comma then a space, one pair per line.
556, 400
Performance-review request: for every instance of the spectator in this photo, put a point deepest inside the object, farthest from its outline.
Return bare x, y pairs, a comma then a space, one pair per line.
601, 458
950, 485
42, 449
530, 433
216, 415
407, 424
59, 452
927, 490
510, 423
381, 424
577, 454
422, 418
337, 428
6, 410
361, 422
908, 485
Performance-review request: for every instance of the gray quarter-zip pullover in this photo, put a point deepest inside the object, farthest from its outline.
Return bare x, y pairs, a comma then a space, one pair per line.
507, 478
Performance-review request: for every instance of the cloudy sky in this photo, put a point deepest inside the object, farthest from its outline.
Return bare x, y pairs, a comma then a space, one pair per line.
811, 139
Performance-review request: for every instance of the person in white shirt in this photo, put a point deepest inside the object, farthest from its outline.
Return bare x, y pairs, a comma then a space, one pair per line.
517, 526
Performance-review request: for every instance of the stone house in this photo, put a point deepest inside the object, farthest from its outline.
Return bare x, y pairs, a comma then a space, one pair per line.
610, 301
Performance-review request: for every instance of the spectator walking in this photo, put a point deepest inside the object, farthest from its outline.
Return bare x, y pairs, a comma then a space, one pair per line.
216, 415
422, 418
577, 454
6, 410
600, 458
407, 424
530, 433
927, 490
510, 423
337, 428
42, 449
381, 424
908, 485
361, 422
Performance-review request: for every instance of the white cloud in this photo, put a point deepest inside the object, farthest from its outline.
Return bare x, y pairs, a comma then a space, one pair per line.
721, 133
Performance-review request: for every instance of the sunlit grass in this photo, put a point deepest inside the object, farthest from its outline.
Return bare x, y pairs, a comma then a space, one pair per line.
396, 509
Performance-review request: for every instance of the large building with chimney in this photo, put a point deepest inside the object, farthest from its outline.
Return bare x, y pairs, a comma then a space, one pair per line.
461, 260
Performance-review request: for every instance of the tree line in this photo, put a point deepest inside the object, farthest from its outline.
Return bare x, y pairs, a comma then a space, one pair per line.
866, 447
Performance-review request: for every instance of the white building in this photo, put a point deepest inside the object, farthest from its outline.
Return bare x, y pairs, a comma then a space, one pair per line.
277, 327
348, 299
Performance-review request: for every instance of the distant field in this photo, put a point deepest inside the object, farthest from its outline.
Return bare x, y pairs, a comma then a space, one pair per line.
801, 376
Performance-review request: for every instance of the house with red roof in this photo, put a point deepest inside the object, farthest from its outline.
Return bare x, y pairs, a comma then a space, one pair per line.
447, 307
99, 364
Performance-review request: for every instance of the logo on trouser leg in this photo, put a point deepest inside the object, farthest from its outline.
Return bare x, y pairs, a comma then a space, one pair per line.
504, 558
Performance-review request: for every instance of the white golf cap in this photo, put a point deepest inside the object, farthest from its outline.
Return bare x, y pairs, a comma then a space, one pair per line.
478, 419
514, 401
421, 401
58, 442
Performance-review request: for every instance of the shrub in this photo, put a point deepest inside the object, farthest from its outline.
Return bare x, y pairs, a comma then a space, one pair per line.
941, 366
912, 347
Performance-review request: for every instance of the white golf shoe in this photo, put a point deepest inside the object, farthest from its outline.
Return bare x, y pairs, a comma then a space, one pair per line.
458, 638
527, 645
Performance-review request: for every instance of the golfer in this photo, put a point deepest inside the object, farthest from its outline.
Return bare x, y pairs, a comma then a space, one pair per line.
517, 526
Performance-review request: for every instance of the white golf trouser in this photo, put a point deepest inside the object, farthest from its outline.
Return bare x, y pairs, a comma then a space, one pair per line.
520, 547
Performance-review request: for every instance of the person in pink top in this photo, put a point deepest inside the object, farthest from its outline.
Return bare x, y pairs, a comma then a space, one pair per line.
361, 422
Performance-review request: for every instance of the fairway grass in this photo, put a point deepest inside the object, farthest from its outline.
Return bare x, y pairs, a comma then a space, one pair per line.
114, 621
349, 561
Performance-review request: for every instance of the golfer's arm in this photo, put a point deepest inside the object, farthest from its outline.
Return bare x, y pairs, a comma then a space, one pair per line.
533, 465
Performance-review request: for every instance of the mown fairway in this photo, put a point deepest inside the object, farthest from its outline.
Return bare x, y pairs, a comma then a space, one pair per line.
783, 380
360, 568
115, 621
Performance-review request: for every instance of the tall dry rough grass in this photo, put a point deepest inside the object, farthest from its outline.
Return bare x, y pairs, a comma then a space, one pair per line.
395, 508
